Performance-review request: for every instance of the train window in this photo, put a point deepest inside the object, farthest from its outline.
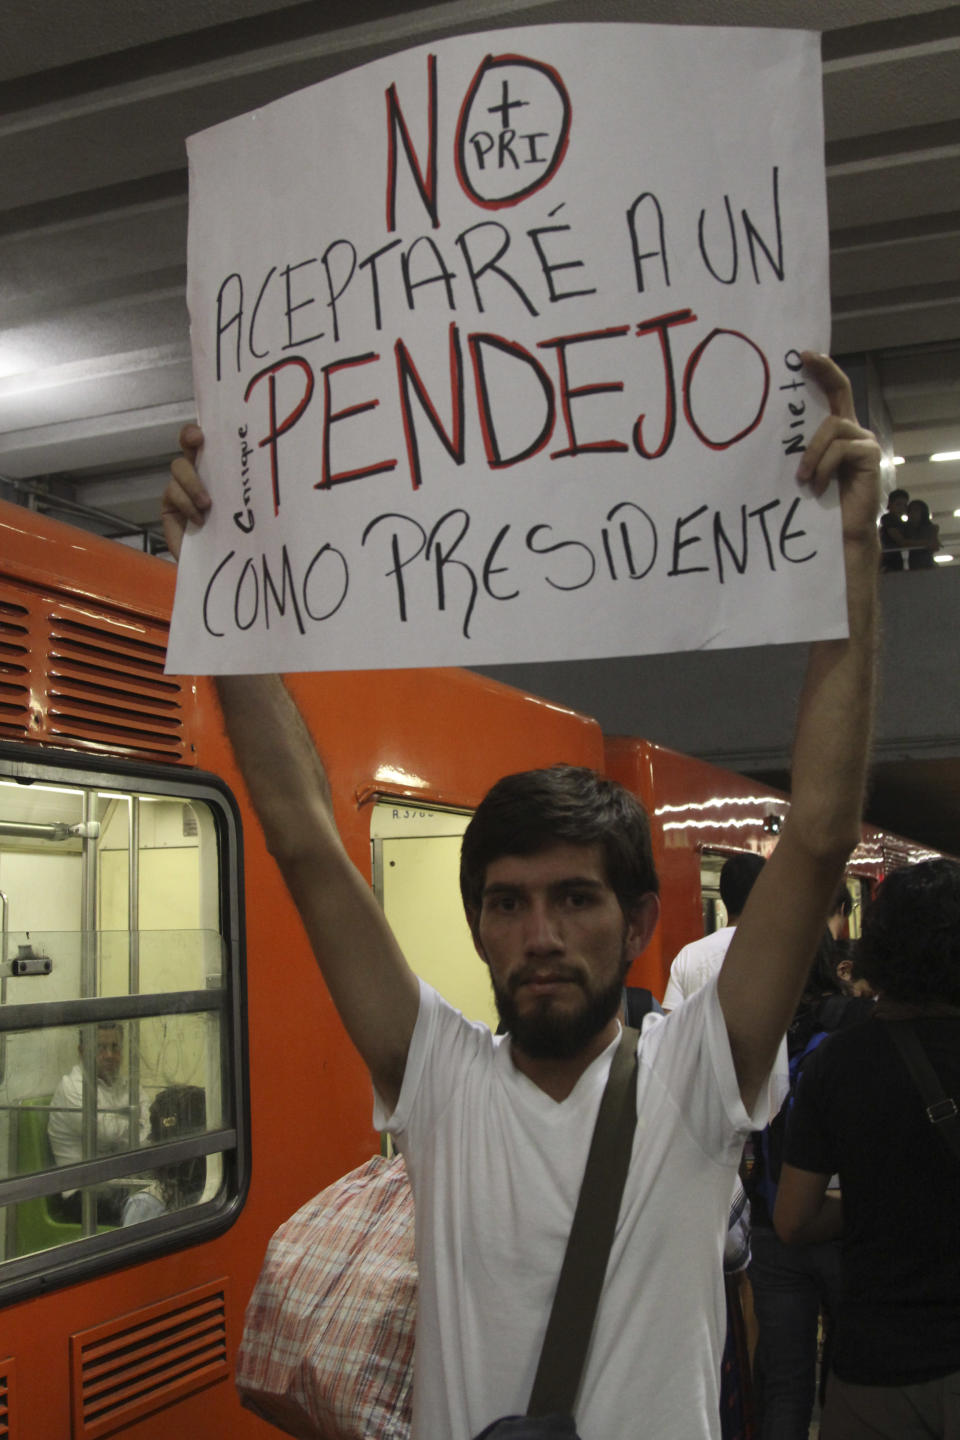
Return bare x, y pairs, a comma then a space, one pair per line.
713, 908
122, 1103
859, 889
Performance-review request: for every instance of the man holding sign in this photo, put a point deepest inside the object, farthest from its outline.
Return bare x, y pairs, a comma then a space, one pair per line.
560, 896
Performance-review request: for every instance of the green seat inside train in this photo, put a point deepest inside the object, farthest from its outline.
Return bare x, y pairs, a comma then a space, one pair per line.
37, 1227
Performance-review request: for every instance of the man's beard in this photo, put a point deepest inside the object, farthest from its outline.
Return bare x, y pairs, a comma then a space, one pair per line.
550, 1032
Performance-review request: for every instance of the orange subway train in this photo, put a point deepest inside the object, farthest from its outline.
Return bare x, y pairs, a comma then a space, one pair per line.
174, 1081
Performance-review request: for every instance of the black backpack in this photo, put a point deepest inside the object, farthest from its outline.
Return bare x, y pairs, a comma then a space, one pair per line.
639, 1002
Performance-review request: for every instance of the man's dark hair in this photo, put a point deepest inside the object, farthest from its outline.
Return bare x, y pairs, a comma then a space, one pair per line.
178, 1111
910, 947
565, 805
736, 880
103, 1025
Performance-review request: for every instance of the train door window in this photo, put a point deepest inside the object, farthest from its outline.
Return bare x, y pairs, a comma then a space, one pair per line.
859, 889
714, 910
122, 1111
416, 869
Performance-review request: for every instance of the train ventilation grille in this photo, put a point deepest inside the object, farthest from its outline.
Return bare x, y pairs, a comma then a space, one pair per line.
14, 670
8, 1427
139, 1363
88, 677
106, 686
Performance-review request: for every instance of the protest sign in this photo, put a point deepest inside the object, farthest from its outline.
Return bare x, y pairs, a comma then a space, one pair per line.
496, 349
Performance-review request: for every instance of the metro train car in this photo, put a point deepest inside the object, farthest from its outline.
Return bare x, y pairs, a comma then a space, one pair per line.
174, 1081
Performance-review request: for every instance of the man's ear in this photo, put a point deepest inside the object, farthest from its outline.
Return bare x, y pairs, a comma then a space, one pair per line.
641, 923
473, 920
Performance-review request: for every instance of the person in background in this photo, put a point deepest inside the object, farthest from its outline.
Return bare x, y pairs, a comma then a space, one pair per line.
859, 1112
693, 967
175, 1112
793, 1288
638, 1003
921, 538
892, 522
699, 961
65, 1124
848, 970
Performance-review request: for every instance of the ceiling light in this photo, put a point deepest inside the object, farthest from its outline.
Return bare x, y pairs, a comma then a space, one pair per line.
946, 455
943, 558
899, 460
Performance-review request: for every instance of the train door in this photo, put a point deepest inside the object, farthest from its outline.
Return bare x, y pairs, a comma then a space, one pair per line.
715, 914
712, 906
416, 867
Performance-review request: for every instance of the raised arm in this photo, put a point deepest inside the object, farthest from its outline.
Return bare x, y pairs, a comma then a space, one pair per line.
765, 968
373, 988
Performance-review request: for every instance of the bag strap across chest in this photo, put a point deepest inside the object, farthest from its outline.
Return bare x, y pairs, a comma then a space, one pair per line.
578, 1290
941, 1108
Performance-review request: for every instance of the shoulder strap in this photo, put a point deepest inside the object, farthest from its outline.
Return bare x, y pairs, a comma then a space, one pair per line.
941, 1109
591, 1235
798, 1061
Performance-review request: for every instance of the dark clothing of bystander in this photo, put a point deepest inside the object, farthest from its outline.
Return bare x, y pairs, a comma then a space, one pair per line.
858, 1113
891, 541
792, 1285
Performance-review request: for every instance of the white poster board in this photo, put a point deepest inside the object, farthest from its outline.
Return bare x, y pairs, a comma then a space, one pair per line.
496, 354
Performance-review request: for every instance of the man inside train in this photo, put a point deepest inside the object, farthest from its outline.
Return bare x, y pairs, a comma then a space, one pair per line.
495, 1131
65, 1124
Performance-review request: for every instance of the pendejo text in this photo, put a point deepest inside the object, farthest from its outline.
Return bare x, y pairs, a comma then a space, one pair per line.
460, 562
287, 394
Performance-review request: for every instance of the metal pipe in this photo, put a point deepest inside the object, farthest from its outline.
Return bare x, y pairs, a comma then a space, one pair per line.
42, 500
133, 986
88, 987
24, 830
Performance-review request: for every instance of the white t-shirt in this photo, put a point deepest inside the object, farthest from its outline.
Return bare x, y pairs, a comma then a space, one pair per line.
700, 962
695, 964
65, 1125
496, 1167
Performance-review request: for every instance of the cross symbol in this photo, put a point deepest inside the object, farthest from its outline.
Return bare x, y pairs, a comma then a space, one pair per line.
505, 106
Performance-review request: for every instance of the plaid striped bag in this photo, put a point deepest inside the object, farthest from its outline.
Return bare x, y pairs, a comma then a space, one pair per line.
327, 1349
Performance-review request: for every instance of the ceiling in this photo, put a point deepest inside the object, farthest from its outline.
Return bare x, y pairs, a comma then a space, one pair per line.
94, 351
97, 98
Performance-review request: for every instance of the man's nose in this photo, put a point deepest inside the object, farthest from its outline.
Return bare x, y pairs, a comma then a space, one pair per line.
543, 933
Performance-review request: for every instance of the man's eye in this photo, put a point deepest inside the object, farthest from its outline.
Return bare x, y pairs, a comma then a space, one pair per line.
579, 899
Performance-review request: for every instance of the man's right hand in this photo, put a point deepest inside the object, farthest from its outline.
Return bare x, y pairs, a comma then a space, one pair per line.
185, 497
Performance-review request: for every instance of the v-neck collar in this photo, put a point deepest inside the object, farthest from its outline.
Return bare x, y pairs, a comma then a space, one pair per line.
593, 1079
